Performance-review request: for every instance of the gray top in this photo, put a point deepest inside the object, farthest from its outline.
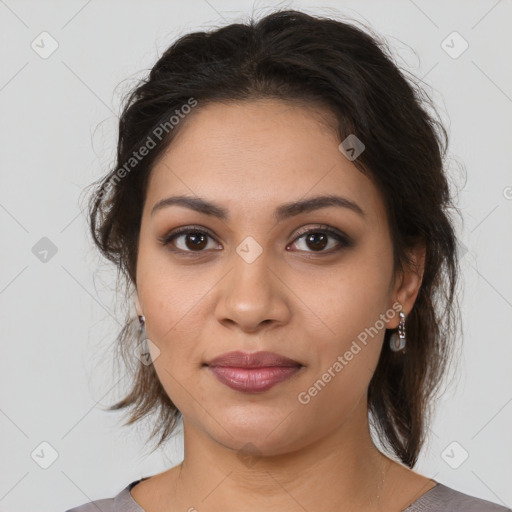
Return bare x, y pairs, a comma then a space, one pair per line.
438, 499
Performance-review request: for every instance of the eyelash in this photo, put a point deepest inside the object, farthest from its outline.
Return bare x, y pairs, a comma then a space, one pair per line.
338, 235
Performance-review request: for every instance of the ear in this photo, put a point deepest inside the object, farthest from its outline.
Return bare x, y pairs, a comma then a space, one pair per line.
137, 305
408, 282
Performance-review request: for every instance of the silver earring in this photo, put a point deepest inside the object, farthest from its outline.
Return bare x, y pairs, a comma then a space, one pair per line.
397, 341
142, 329
142, 350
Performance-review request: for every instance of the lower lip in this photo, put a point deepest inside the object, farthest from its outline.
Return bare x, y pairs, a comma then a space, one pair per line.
253, 380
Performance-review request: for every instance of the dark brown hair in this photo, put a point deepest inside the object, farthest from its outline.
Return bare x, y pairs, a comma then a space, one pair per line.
292, 56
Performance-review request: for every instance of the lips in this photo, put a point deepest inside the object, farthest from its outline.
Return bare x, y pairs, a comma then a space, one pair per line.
252, 373
239, 359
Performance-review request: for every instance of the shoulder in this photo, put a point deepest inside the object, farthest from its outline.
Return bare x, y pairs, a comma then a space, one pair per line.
442, 498
122, 502
105, 505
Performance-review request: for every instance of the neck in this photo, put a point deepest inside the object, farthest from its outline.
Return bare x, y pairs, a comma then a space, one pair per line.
342, 469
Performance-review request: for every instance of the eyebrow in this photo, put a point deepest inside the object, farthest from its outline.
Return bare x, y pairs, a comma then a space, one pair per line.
281, 213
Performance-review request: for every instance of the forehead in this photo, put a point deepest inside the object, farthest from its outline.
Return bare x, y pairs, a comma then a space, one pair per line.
259, 153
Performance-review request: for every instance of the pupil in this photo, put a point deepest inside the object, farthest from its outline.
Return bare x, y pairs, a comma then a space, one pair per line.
318, 239
197, 243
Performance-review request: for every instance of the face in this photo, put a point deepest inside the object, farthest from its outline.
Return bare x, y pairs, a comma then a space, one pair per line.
307, 284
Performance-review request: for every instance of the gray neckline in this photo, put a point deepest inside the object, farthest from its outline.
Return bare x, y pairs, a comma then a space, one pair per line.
124, 501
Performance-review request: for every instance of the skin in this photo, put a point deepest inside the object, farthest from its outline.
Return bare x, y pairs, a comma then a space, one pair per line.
304, 303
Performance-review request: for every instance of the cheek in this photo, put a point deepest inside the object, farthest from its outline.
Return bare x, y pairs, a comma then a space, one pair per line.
176, 322
178, 332
171, 297
344, 327
345, 302
346, 357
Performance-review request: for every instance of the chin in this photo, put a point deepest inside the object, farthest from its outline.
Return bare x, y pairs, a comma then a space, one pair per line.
258, 434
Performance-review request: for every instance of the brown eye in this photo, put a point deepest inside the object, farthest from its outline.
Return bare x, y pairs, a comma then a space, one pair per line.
187, 240
316, 240
195, 241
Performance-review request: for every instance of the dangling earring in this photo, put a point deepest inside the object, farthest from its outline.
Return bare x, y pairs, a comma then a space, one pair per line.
142, 329
397, 340
146, 351
142, 350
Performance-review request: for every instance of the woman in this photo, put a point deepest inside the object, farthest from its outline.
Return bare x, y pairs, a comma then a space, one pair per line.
279, 206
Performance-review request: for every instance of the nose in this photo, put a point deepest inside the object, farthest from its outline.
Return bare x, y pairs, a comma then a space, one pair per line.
253, 296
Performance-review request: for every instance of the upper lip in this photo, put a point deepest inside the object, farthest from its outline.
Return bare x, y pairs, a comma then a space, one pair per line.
238, 359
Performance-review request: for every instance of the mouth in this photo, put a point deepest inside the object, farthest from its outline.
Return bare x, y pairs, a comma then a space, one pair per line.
253, 380
252, 373
239, 359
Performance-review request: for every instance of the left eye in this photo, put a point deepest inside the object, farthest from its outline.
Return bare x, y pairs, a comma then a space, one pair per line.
317, 239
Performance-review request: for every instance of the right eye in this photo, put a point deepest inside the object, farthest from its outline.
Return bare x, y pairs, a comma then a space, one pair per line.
187, 239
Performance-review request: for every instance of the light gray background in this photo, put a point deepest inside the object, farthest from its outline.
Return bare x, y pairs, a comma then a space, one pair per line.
59, 318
